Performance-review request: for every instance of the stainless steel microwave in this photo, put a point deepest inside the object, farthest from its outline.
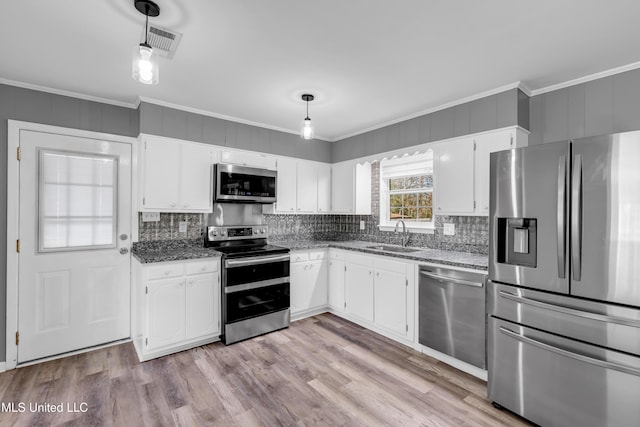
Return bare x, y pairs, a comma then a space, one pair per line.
243, 184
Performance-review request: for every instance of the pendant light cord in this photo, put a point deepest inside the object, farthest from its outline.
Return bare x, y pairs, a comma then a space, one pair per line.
146, 24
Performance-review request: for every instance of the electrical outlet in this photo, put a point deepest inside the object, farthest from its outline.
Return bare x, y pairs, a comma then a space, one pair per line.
182, 226
361, 225
449, 229
150, 216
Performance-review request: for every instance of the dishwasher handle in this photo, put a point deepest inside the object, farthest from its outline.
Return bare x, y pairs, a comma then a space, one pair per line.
451, 280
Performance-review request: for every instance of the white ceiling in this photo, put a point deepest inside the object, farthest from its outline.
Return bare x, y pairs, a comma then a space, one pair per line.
368, 62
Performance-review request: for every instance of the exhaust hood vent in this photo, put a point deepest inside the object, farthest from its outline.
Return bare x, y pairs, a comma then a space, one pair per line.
163, 40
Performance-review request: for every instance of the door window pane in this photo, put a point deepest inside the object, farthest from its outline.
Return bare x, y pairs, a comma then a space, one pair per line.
77, 201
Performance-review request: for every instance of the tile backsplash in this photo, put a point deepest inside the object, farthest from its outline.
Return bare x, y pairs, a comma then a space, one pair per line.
168, 227
471, 232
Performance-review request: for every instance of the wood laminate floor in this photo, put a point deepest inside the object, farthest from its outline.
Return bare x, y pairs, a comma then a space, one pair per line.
321, 371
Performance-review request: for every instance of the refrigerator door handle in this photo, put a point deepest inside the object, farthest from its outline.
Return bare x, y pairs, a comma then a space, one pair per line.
571, 311
576, 218
570, 354
561, 245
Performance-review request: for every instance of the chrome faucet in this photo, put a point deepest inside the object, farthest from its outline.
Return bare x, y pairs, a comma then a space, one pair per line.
405, 235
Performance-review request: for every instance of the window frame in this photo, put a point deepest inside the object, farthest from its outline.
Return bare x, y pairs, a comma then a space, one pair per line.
417, 164
40, 203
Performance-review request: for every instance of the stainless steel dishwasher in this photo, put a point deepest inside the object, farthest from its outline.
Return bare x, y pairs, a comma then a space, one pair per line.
452, 313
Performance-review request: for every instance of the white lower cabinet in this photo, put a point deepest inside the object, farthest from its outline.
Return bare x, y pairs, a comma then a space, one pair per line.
358, 293
165, 309
176, 306
308, 282
391, 297
336, 280
376, 292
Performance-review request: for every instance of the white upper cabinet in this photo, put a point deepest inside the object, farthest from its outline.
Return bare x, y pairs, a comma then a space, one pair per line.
324, 187
286, 186
175, 176
351, 188
307, 191
342, 187
303, 186
453, 177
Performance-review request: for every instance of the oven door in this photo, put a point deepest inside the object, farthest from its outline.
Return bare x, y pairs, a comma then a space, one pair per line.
244, 184
244, 303
255, 286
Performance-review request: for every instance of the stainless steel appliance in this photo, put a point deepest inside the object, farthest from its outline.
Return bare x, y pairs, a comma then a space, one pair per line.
255, 281
243, 184
452, 313
564, 288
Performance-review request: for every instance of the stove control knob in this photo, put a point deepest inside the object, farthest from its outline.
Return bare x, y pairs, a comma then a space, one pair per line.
263, 230
223, 233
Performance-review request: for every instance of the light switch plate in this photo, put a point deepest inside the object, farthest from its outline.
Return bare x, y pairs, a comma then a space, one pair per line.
361, 225
182, 226
449, 229
150, 216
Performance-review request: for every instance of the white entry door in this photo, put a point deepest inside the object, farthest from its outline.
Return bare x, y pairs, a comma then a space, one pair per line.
74, 261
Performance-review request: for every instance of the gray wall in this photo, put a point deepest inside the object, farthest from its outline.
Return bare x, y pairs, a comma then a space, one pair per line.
40, 107
610, 104
507, 108
169, 122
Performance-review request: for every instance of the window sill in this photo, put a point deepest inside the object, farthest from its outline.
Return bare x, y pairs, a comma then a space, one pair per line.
411, 229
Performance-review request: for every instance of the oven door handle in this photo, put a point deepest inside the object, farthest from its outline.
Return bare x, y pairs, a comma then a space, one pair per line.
255, 285
232, 263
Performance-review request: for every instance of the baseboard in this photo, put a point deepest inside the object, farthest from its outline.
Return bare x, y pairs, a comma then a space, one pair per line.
142, 357
308, 313
3, 366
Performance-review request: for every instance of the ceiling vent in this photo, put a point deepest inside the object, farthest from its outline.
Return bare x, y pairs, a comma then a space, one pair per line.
163, 40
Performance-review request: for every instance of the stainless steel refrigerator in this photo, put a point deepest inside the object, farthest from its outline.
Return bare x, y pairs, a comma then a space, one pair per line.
563, 297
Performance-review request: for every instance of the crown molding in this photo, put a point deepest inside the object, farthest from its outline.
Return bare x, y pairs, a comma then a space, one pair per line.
585, 79
68, 93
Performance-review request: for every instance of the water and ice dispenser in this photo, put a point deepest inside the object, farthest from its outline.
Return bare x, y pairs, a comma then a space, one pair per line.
517, 241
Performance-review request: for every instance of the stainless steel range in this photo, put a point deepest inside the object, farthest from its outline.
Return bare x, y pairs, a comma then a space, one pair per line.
255, 281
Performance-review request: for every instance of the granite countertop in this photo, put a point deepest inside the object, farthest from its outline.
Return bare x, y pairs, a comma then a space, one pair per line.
435, 256
171, 250
177, 250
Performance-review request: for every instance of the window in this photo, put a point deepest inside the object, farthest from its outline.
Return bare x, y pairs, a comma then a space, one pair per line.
406, 191
77, 201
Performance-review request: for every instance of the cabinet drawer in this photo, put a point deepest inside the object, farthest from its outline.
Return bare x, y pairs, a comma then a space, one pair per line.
356, 258
202, 267
165, 270
299, 256
336, 254
316, 254
386, 264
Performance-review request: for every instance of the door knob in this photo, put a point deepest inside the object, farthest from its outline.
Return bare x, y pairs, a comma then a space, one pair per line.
124, 251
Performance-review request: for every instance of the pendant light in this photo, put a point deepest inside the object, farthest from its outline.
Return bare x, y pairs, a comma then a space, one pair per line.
145, 60
306, 131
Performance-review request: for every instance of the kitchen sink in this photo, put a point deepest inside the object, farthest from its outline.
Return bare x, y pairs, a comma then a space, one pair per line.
387, 248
